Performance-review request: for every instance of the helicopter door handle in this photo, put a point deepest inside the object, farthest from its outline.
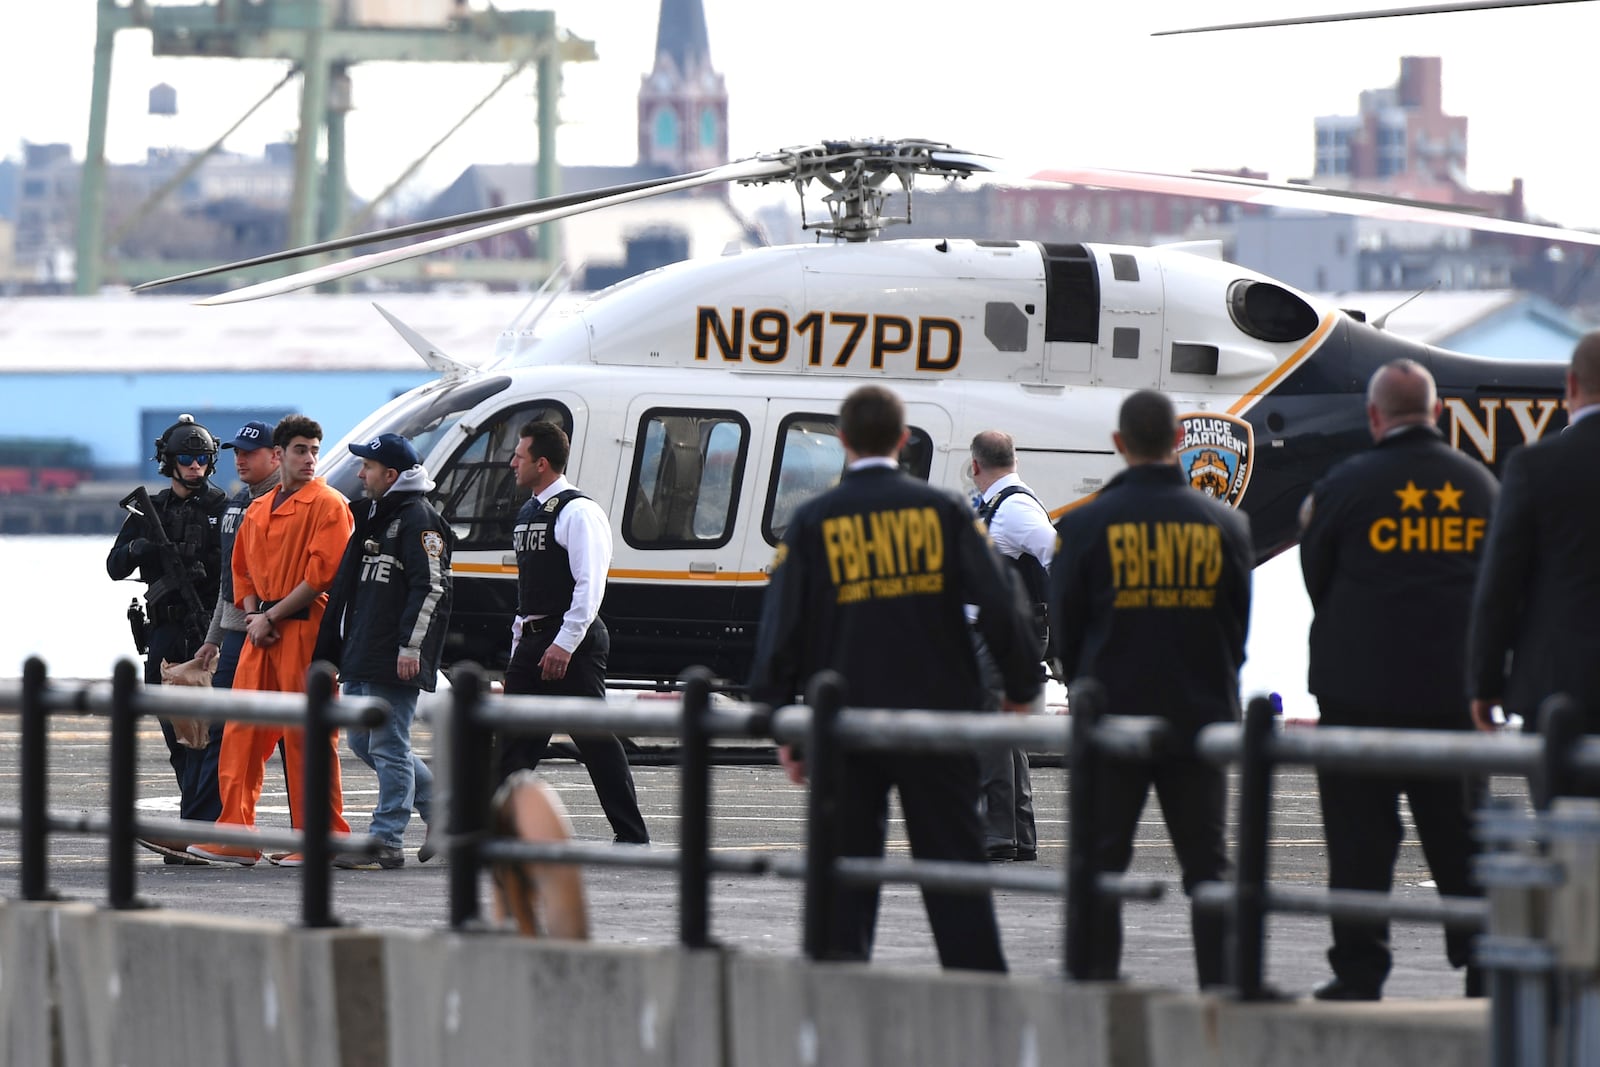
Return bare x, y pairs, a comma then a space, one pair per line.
702, 568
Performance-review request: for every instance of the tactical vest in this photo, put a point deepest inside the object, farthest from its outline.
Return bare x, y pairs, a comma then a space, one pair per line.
544, 569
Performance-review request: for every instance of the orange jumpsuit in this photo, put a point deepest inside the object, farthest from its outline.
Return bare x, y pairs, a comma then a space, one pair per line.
303, 540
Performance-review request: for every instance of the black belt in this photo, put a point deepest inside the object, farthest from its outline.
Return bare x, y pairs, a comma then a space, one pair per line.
539, 626
303, 613
168, 613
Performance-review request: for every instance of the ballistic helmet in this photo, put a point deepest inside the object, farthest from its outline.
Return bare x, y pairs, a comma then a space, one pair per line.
185, 437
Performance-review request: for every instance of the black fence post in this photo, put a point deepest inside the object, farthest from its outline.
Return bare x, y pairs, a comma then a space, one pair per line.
1085, 703
694, 812
318, 777
1561, 725
35, 783
125, 680
1255, 824
470, 776
826, 696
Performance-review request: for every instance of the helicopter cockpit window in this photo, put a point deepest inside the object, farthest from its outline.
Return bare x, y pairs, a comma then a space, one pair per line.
809, 461
422, 417
1269, 312
476, 492
686, 475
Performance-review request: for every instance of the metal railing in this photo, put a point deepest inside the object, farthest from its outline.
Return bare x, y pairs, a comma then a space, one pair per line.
123, 702
1541, 948
825, 728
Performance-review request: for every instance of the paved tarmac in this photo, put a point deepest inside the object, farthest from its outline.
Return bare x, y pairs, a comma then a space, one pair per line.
755, 808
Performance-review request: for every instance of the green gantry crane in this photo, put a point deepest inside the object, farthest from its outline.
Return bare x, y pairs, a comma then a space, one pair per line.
322, 39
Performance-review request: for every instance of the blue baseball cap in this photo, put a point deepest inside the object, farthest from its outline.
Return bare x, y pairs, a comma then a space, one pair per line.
251, 436
390, 449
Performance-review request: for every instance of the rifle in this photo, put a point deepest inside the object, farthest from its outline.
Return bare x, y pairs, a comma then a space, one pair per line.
139, 503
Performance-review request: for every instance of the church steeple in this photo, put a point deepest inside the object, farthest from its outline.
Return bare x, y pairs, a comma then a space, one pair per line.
683, 104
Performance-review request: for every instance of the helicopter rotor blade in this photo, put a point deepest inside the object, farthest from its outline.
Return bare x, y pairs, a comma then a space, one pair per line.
329, 272
1352, 16
1259, 193
417, 229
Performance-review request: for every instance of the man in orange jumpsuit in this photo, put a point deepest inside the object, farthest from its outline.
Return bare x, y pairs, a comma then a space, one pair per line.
285, 554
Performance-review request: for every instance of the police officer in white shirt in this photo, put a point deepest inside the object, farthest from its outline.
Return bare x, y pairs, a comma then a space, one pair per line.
1021, 529
559, 645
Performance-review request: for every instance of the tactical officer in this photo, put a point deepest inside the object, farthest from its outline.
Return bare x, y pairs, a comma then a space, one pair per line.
1021, 530
1390, 551
177, 552
1150, 594
559, 644
385, 624
872, 580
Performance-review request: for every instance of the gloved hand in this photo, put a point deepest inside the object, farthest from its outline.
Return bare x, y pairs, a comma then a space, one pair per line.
144, 550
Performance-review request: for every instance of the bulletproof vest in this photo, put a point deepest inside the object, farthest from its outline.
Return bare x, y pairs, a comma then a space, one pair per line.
544, 570
1035, 579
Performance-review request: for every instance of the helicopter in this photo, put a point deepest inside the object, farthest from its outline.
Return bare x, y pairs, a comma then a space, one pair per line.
701, 397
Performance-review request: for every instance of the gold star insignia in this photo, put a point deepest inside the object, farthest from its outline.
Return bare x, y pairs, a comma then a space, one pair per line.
1411, 496
1449, 498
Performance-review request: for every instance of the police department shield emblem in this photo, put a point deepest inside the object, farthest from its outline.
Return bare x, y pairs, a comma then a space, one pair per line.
1216, 454
433, 543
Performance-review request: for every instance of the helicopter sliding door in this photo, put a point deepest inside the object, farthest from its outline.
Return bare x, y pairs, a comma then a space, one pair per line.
679, 492
1127, 354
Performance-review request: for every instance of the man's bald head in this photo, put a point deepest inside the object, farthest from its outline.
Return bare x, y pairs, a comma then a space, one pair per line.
1583, 377
1401, 393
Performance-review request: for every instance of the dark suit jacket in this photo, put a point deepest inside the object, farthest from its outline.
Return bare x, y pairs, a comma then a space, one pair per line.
1390, 554
1536, 609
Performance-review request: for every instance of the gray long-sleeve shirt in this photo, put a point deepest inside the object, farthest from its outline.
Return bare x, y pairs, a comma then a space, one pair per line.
227, 616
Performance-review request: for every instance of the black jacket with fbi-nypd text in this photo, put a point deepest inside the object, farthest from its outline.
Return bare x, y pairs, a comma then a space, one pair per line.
871, 580
1150, 595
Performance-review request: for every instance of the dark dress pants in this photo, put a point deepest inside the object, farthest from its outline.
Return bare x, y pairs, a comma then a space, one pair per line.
1193, 795
939, 797
1361, 823
195, 768
1007, 800
602, 754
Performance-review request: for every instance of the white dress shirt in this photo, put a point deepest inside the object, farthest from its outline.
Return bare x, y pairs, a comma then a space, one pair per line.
1021, 525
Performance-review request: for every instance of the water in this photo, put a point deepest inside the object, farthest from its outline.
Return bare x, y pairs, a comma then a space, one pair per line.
60, 605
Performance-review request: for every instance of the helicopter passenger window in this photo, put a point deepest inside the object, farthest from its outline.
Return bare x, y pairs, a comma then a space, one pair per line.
810, 460
686, 475
476, 493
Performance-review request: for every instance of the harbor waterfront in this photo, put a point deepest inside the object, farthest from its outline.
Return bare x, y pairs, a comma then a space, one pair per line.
65, 610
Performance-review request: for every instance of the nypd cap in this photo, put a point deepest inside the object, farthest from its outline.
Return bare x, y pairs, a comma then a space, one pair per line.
390, 449
251, 436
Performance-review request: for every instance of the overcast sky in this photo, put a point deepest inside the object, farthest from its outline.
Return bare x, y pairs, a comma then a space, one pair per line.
1024, 79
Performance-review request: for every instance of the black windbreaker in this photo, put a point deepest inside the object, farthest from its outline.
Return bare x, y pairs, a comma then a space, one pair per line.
1150, 594
871, 580
392, 592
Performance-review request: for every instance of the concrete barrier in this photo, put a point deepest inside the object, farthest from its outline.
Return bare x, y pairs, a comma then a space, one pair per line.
792, 1013
494, 998
85, 987
1202, 1031
30, 1015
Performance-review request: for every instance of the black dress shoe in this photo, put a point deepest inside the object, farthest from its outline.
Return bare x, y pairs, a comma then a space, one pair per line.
1001, 853
1339, 989
1025, 855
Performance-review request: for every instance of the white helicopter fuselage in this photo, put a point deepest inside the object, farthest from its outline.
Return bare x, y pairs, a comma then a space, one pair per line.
700, 397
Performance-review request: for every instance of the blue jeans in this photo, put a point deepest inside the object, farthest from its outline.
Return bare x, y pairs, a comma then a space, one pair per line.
404, 781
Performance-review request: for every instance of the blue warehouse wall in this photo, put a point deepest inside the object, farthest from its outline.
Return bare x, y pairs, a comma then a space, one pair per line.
112, 412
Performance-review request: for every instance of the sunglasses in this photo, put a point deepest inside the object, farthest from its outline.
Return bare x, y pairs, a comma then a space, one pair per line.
189, 459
